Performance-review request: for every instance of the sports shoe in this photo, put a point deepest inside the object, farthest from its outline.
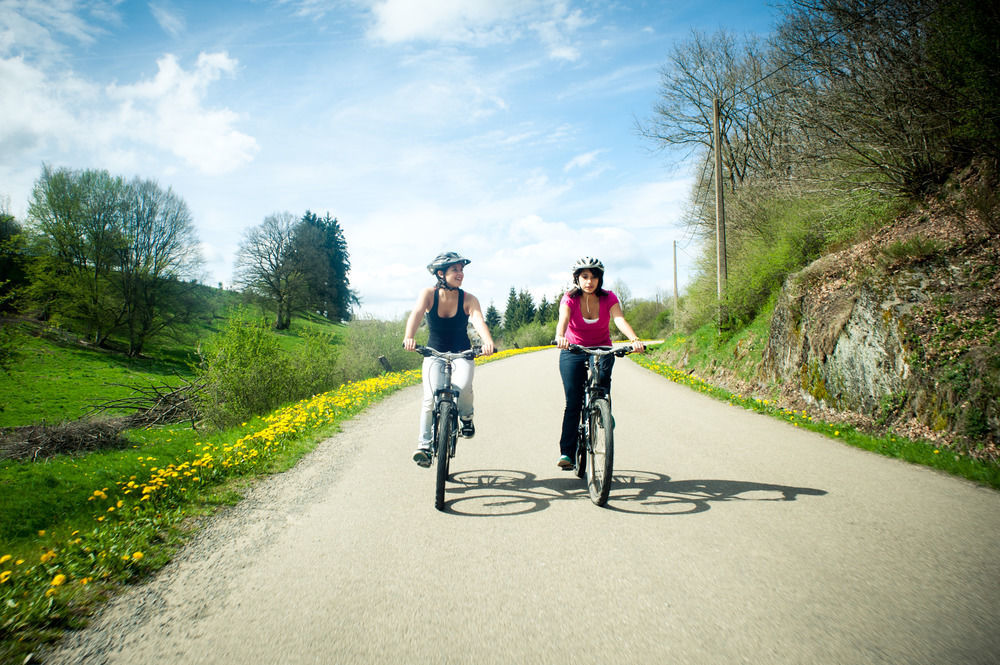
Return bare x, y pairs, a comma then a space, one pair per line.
565, 462
422, 456
468, 430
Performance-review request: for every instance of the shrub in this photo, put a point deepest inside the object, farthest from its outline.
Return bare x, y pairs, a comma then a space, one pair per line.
534, 334
367, 340
244, 371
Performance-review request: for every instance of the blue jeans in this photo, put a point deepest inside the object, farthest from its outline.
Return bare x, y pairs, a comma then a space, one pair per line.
573, 369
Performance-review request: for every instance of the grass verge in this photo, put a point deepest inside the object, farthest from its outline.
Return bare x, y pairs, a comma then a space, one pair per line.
75, 529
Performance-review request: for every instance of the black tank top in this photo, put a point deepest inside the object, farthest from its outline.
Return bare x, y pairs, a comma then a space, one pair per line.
449, 334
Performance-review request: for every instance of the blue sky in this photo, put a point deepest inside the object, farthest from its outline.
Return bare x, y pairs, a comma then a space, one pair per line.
502, 129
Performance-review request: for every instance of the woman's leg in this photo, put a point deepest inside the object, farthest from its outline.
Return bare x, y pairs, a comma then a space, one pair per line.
432, 376
573, 370
462, 374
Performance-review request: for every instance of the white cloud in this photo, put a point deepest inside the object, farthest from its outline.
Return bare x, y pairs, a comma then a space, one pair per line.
36, 26
479, 23
169, 19
582, 161
168, 112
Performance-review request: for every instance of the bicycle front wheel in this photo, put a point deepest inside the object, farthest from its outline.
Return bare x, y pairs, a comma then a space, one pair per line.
445, 424
581, 449
601, 453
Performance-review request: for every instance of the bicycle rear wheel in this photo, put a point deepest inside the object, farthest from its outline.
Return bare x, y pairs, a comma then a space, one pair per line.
601, 453
445, 423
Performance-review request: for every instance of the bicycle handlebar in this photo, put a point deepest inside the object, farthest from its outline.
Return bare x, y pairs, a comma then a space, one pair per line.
468, 354
602, 350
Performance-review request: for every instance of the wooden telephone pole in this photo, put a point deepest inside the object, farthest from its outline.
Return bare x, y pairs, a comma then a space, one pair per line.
721, 273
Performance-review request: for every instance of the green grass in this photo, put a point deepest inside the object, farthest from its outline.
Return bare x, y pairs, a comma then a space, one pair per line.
76, 527
55, 382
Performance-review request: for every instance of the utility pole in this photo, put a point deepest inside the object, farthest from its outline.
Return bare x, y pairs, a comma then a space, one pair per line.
721, 274
675, 285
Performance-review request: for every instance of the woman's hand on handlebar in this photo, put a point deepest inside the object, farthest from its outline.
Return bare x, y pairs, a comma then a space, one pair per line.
638, 346
562, 342
409, 344
488, 349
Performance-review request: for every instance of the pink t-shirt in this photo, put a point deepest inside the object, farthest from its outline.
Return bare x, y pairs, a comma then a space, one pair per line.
589, 334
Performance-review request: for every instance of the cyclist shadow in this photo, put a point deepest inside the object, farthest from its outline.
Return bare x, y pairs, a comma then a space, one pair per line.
495, 493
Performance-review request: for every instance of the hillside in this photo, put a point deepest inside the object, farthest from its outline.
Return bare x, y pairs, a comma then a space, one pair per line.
897, 332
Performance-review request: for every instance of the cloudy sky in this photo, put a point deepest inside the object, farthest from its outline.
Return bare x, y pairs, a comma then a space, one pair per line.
502, 129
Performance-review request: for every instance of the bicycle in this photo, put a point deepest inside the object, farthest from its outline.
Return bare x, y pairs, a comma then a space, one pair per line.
444, 440
595, 444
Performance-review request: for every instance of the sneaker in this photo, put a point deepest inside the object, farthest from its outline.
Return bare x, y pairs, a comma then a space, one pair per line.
468, 429
565, 462
422, 456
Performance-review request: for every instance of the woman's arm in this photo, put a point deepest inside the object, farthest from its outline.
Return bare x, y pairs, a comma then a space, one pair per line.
619, 318
475, 313
561, 340
424, 302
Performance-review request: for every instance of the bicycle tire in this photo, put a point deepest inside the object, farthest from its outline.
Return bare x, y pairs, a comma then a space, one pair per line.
601, 452
445, 424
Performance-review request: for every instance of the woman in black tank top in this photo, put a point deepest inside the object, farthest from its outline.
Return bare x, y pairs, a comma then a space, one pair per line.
449, 310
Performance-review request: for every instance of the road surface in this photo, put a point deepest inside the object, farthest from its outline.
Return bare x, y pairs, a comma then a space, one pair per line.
729, 537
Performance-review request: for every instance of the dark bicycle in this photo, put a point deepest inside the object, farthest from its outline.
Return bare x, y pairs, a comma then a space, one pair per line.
595, 444
445, 434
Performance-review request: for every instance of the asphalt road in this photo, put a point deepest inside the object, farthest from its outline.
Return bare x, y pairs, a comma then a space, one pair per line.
729, 538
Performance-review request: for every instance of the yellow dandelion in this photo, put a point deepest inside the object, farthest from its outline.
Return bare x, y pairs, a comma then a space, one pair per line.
42, 532
58, 580
48, 556
5, 575
5, 558
136, 556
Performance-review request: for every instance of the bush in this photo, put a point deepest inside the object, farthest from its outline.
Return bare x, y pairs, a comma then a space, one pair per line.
534, 334
367, 340
314, 365
244, 371
648, 318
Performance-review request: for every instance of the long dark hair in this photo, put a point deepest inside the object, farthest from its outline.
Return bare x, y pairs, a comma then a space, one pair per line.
576, 291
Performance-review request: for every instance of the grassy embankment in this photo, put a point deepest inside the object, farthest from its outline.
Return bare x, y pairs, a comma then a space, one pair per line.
76, 527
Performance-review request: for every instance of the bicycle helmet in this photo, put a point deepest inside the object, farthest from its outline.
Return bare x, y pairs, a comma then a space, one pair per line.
442, 262
587, 263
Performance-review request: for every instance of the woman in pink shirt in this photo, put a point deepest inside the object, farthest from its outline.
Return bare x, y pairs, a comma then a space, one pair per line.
585, 314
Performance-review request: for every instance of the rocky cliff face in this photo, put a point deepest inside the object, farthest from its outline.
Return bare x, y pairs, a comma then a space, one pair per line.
901, 328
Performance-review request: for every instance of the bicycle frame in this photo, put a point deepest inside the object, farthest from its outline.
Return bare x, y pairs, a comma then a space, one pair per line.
445, 414
596, 409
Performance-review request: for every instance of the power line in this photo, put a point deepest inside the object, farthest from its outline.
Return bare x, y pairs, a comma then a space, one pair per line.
810, 50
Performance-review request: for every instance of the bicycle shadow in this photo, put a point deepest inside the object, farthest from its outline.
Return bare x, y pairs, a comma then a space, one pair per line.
505, 492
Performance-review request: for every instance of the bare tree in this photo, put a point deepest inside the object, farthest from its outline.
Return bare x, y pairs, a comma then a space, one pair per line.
266, 266
159, 249
900, 91
720, 66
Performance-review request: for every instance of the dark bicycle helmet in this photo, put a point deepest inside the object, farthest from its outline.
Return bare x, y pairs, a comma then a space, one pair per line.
445, 259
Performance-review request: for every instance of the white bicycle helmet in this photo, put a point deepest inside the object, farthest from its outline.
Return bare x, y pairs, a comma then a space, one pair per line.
587, 263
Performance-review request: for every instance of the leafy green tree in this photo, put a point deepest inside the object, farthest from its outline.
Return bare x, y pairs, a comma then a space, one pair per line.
321, 255
493, 319
520, 311
13, 259
77, 218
